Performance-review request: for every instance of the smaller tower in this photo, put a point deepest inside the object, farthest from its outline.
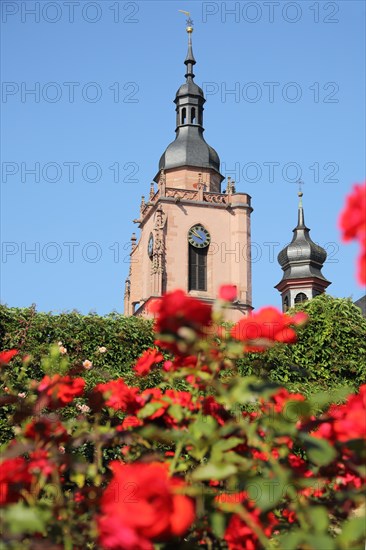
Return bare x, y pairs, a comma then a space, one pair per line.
301, 262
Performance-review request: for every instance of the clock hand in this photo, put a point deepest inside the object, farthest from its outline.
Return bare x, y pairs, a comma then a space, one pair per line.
197, 234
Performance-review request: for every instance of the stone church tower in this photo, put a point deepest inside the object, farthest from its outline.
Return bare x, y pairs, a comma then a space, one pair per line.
194, 237
301, 262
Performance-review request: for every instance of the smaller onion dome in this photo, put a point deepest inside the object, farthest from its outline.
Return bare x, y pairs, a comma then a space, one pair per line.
302, 258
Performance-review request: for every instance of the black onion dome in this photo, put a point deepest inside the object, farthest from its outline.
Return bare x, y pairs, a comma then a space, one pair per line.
302, 258
189, 88
189, 149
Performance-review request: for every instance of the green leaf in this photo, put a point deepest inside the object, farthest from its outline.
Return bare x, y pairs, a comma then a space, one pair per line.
148, 410
205, 426
265, 493
319, 450
199, 451
78, 478
320, 542
321, 400
176, 412
214, 471
226, 444
318, 518
353, 530
22, 519
290, 541
218, 524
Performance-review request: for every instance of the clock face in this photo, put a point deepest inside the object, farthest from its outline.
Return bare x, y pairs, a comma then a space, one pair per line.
198, 236
150, 246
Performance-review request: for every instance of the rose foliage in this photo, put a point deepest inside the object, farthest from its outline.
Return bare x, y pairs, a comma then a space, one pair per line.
205, 459
234, 462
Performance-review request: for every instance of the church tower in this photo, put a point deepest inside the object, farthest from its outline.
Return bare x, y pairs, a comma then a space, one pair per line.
301, 262
194, 237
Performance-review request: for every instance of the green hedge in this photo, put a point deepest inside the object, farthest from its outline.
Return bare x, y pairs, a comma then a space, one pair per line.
33, 332
331, 348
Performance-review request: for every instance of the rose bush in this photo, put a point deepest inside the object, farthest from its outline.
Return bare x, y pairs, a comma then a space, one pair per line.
229, 462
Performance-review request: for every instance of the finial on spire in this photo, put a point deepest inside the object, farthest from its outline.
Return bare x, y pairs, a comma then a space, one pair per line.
189, 60
301, 220
300, 194
189, 27
189, 21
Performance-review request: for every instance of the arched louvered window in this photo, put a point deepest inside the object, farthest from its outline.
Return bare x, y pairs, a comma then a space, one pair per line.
193, 115
184, 115
285, 303
197, 271
300, 297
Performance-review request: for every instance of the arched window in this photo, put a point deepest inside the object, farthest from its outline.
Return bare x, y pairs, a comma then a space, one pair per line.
301, 297
197, 271
193, 115
184, 115
285, 303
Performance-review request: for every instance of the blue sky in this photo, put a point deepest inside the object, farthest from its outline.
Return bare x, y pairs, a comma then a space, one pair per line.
104, 76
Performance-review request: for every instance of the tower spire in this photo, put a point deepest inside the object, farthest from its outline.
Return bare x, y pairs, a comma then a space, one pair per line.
189, 149
189, 60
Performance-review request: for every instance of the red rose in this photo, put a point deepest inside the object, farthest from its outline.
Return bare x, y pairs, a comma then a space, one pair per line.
7, 355
162, 402
14, 477
149, 358
46, 430
179, 362
239, 535
211, 407
130, 422
118, 395
116, 536
228, 293
262, 330
176, 310
361, 264
352, 223
156, 396
352, 220
346, 421
282, 402
142, 504
289, 515
61, 390
40, 463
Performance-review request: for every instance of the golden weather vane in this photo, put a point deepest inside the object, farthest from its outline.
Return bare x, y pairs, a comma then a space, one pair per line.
189, 21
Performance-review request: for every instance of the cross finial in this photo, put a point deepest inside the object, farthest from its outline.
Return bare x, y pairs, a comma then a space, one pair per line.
300, 183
